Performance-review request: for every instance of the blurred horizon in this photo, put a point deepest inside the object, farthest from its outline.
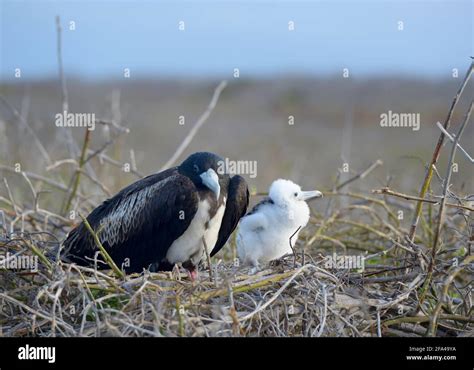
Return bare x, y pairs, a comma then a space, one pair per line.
144, 36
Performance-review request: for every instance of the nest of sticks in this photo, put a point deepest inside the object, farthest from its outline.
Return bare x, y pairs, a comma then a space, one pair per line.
305, 294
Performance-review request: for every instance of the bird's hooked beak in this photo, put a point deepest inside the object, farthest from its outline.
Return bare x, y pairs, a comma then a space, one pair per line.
211, 180
307, 195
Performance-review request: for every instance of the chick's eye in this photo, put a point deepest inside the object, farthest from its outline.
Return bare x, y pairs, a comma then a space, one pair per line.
196, 168
296, 194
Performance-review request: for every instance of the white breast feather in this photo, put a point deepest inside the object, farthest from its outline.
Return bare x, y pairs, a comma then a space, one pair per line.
190, 241
189, 245
212, 233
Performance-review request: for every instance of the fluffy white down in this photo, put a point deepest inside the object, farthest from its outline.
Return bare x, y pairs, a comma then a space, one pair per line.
265, 234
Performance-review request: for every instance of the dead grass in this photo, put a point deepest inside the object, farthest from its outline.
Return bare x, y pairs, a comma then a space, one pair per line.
290, 298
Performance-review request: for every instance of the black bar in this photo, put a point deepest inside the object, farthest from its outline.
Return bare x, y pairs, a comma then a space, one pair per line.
317, 353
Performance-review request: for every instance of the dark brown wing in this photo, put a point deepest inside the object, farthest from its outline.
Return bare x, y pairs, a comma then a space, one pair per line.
138, 224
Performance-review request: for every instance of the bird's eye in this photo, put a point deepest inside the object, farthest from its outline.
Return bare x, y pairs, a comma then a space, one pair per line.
196, 168
296, 194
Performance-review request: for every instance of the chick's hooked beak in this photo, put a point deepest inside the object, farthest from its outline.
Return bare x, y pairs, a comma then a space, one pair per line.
307, 195
211, 181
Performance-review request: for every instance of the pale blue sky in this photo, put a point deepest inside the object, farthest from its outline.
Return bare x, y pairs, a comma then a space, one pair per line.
250, 35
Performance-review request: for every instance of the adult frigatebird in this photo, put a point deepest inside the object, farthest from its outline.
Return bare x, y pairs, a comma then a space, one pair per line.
165, 218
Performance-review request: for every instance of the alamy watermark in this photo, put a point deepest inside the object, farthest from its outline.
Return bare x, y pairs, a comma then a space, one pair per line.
28, 352
11, 261
391, 119
335, 261
231, 167
65, 119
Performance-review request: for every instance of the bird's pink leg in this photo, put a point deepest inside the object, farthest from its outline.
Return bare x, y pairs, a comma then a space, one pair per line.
193, 274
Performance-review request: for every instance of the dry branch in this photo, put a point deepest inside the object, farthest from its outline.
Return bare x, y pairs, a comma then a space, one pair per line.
197, 125
387, 191
436, 154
